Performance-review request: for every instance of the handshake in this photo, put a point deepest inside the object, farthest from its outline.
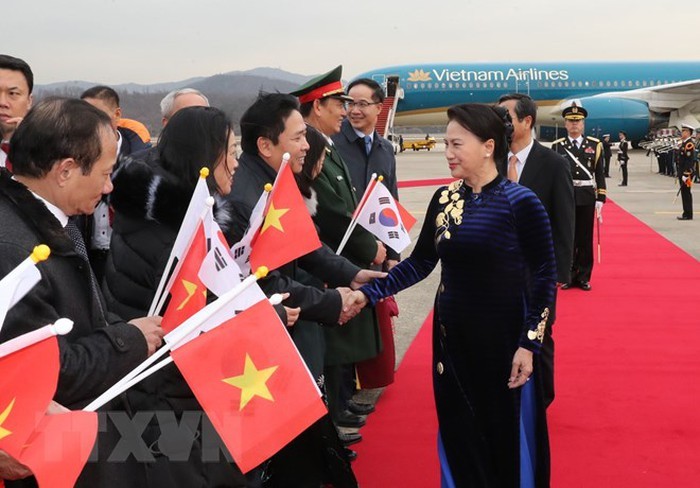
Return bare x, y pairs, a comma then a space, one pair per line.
354, 301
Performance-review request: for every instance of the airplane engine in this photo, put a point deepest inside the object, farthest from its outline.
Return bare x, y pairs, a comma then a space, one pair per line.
607, 115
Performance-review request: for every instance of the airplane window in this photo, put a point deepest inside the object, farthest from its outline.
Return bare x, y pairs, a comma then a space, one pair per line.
607, 83
491, 84
559, 84
623, 83
422, 85
615, 83
443, 85
629, 83
636, 83
449, 85
471, 85
586, 83
644, 83
464, 85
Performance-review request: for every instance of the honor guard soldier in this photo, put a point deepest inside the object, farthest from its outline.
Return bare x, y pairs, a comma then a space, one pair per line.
686, 166
586, 156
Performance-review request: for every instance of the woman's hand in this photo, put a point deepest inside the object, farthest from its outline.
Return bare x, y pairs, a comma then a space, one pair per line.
522, 368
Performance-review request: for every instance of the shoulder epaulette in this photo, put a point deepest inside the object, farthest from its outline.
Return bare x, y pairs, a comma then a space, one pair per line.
593, 139
559, 140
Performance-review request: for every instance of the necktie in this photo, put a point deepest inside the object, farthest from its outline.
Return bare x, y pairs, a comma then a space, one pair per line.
575, 143
368, 144
513, 168
77, 238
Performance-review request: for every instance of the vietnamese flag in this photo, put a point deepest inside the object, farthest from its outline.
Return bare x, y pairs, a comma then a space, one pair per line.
407, 219
287, 231
59, 448
187, 295
28, 381
252, 383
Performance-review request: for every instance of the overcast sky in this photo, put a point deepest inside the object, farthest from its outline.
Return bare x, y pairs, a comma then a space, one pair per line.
149, 41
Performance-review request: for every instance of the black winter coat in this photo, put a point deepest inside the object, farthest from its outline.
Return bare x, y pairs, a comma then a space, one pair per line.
99, 350
149, 206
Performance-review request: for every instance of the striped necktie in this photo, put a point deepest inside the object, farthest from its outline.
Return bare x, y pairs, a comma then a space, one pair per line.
79, 244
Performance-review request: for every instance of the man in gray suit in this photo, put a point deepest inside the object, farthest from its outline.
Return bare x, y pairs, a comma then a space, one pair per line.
548, 175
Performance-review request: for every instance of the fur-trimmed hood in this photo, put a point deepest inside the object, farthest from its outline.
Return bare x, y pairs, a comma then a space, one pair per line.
149, 192
311, 202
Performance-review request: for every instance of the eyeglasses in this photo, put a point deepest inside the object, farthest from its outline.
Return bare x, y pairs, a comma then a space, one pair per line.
362, 104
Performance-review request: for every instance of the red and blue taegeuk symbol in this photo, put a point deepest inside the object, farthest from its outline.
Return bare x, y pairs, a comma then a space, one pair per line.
388, 218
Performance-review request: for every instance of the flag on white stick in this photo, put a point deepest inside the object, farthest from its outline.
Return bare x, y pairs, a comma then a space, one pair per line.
20, 280
188, 228
241, 250
385, 218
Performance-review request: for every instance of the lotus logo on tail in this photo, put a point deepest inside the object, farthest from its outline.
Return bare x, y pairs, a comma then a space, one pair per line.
419, 75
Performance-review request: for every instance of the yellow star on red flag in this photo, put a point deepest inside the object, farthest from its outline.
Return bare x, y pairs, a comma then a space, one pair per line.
3, 416
272, 219
253, 382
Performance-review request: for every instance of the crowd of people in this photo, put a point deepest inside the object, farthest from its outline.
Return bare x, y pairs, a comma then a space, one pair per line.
516, 222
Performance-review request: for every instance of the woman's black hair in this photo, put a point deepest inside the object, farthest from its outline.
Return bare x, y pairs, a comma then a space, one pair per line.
195, 137
317, 148
485, 122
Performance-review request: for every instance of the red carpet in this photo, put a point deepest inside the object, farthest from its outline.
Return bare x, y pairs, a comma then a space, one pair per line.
628, 400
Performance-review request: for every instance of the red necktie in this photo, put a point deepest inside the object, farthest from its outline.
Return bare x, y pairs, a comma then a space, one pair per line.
5, 147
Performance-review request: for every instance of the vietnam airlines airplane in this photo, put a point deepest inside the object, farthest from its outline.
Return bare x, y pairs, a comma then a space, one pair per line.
634, 97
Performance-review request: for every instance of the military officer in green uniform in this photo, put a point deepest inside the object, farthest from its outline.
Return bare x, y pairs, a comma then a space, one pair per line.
322, 102
586, 156
686, 167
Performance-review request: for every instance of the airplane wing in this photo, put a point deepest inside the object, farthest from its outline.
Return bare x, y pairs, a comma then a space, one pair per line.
680, 100
683, 96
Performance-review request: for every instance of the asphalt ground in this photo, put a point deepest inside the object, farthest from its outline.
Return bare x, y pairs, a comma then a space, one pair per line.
648, 196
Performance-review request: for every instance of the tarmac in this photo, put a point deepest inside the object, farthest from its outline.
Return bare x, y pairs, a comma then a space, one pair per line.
648, 196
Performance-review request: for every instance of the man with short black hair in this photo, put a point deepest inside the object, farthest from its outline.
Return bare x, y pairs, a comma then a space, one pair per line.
548, 175
106, 99
97, 229
16, 85
63, 155
607, 153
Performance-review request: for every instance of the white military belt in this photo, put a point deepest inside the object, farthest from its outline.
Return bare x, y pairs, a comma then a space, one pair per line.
584, 183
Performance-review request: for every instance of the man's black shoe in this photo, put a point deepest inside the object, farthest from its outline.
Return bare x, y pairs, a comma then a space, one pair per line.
585, 286
352, 455
683, 217
348, 419
360, 408
565, 286
350, 438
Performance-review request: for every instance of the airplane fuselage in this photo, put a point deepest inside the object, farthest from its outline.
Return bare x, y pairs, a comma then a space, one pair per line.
429, 89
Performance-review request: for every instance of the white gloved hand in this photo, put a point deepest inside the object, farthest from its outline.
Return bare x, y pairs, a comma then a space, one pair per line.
684, 178
599, 211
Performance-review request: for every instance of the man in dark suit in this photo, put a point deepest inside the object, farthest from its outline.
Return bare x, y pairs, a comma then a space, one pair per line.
549, 176
63, 153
